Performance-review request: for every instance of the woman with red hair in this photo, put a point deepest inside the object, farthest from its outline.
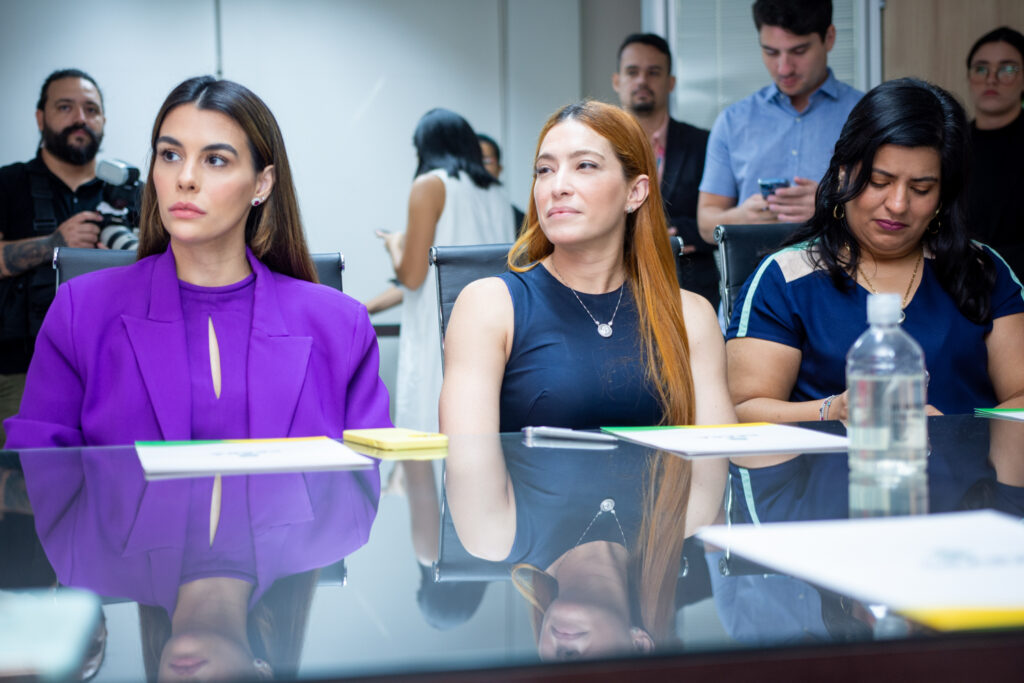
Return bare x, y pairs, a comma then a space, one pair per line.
588, 328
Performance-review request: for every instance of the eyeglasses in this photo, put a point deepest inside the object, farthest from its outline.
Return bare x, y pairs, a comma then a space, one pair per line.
1005, 73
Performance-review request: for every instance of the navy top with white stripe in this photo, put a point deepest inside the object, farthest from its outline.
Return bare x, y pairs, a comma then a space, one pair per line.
787, 300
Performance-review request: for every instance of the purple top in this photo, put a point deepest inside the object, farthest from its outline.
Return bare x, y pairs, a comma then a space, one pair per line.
224, 417
230, 309
231, 554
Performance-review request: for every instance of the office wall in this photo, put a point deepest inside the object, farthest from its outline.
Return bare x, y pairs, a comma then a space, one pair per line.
604, 23
930, 39
347, 79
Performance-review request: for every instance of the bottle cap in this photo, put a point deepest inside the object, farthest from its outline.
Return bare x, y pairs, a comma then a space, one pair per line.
884, 309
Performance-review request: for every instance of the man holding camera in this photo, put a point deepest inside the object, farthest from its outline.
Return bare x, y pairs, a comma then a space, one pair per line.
784, 133
47, 202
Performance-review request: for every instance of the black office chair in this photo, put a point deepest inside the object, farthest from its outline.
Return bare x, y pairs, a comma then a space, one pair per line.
71, 262
741, 248
456, 267
454, 563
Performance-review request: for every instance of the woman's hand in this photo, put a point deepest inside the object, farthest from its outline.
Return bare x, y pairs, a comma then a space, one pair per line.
394, 244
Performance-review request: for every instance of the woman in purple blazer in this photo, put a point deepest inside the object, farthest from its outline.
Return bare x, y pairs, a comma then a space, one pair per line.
218, 331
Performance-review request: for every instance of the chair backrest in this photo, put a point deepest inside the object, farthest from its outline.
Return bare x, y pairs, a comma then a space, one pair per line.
677, 252
456, 267
740, 249
454, 563
71, 262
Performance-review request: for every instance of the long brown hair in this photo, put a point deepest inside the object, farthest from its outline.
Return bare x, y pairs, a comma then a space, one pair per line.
273, 230
650, 271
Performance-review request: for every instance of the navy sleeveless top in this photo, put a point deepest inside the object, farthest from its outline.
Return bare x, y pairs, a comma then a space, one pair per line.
561, 372
558, 497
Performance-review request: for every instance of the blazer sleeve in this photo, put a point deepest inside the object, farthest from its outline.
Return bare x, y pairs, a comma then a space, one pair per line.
51, 408
366, 398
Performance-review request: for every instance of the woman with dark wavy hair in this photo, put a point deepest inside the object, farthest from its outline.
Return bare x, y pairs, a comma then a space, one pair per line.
889, 217
453, 201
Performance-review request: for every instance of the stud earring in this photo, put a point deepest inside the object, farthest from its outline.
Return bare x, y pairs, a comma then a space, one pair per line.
256, 201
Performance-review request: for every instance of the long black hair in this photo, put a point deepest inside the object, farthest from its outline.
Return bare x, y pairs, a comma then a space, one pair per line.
908, 113
445, 140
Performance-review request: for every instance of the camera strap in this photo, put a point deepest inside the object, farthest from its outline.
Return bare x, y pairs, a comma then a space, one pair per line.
44, 220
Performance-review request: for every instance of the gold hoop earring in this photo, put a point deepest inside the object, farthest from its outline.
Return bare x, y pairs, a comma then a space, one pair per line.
937, 225
835, 212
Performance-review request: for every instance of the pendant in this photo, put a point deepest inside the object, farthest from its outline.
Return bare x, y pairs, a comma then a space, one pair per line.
605, 330
903, 316
607, 505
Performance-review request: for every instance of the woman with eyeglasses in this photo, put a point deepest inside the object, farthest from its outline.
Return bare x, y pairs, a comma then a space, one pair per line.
996, 214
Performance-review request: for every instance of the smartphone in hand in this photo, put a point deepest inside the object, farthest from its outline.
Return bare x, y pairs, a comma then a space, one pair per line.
769, 185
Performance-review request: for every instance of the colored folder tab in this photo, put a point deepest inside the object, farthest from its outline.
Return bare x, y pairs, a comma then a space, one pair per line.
961, 619
395, 438
1000, 413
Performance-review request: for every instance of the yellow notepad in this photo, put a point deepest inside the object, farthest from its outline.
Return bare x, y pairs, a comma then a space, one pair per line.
396, 438
405, 454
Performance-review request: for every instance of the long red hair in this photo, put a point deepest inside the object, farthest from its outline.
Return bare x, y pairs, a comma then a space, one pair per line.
651, 273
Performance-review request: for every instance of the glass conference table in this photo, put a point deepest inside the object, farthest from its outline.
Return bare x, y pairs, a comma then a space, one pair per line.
349, 586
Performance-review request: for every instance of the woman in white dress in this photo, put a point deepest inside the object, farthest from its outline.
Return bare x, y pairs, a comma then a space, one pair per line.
453, 201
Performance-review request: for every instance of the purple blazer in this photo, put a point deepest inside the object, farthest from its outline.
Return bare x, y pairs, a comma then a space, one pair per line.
111, 365
132, 544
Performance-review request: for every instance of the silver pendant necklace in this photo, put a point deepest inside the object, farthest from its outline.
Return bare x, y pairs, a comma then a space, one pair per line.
603, 329
607, 505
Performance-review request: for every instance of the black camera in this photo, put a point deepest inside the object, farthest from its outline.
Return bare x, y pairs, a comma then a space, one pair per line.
120, 205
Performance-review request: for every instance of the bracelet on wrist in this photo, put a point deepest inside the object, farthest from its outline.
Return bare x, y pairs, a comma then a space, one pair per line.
825, 405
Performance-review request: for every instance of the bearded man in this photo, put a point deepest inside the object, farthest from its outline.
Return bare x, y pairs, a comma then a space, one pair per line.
45, 203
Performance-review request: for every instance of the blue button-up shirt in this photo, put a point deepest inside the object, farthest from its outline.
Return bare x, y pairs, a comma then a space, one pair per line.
763, 136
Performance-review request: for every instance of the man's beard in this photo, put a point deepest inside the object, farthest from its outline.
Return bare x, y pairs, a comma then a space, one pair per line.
643, 107
59, 144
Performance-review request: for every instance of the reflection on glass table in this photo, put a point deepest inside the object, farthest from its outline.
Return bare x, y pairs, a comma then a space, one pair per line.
972, 464
104, 529
223, 571
590, 535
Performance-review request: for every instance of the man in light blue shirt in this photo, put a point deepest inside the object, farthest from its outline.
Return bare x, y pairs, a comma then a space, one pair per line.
785, 130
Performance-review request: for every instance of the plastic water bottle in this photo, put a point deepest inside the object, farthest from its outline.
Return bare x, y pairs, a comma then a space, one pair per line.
885, 377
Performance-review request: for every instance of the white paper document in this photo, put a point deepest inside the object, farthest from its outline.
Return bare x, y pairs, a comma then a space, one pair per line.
950, 571
181, 459
755, 438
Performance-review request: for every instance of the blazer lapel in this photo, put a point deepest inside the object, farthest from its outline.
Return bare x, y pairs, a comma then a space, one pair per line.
160, 351
277, 362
